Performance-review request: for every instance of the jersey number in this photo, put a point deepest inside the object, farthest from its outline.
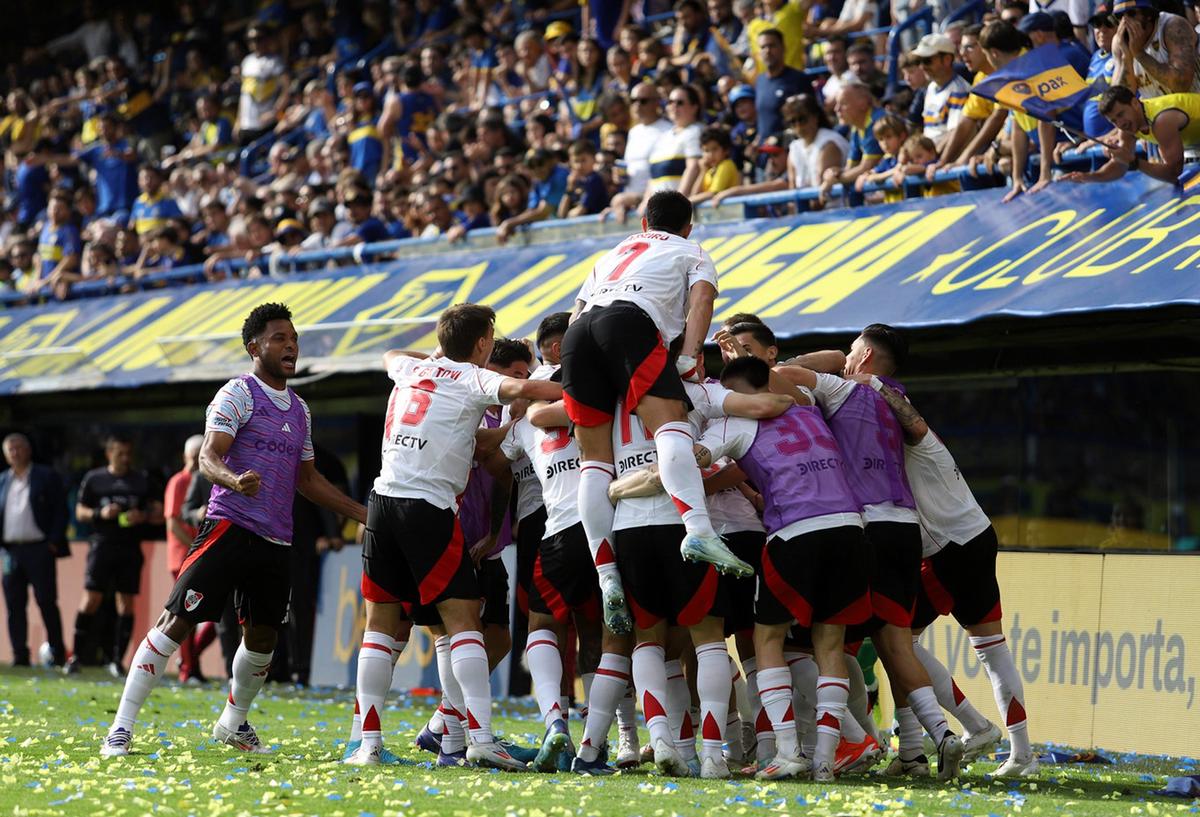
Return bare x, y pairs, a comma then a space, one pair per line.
421, 395
555, 440
799, 432
631, 252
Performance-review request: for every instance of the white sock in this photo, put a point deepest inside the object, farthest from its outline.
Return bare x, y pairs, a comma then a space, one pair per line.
468, 658
857, 703
741, 694
673, 443
832, 693
356, 721
679, 700
596, 512
149, 661
650, 679
713, 685
454, 738
764, 736
371, 688
546, 670
949, 696
608, 688
912, 744
627, 713
997, 661
249, 674
775, 690
923, 703
804, 672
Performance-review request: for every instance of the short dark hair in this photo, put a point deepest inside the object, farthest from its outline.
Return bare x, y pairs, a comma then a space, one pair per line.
256, 322
552, 326
742, 317
718, 135
117, 438
750, 369
973, 30
669, 210
582, 147
757, 330
772, 32
1115, 95
863, 47
412, 76
461, 326
889, 340
1003, 36
508, 351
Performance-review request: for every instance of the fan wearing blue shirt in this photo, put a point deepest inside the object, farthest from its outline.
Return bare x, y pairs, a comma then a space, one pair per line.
364, 227
549, 186
366, 147
31, 183
152, 209
775, 85
115, 164
59, 247
586, 193
213, 133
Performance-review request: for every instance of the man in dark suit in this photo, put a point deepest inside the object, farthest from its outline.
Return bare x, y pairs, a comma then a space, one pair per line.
33, 530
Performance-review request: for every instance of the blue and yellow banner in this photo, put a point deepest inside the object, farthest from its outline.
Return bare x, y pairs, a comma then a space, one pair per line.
1040, 83
922, 262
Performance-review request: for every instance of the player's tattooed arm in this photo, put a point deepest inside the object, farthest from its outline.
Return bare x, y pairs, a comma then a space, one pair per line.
212, 464
914, 425
1178, 70
320, 491
829, 361
704, 457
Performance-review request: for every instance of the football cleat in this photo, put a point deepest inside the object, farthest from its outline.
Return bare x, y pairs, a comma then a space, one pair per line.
917, 767
714, 768
554, 744
428, 741
364, 756
668, 760
524, 754
1014, 767
978, 745
712, 549
591, 768
850, 756
616, 612
351, 748
116, 743
494, 756
245, 738
950, 755
628, 753
783, 767
458, 758
822, 772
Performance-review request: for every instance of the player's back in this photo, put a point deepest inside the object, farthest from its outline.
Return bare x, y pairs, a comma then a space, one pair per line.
554, 455
429, 432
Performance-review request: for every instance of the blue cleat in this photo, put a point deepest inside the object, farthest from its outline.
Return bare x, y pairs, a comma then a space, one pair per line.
458, 758
389, 758
591, 768
351, 748
555, 743
693, 764
428, 741
525, 754
567, 757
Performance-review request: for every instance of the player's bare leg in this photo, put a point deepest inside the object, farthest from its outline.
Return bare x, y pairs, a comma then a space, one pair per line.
674, 444
979, 734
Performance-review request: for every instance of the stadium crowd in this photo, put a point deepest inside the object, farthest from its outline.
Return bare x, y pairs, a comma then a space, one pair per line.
201, 138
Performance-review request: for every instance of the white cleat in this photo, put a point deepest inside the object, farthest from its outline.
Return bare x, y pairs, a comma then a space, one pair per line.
364, 756
1016, 767
669, 761
714, 768
713, 550
977, 745
629, 755
822, 772
616, 612
244, 738
950, 755
783, 767
917, 767
116, 743
494, 756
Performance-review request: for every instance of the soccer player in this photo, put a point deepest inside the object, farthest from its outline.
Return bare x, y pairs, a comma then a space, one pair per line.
652, 288
413, 553
872, 444
663, 588
959, 578
116, 501
813, 569
258, 453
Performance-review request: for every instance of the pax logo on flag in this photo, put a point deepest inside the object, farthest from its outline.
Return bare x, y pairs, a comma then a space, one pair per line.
191, 600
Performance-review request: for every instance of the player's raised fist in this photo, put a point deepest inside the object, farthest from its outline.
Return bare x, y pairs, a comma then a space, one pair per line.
247, 483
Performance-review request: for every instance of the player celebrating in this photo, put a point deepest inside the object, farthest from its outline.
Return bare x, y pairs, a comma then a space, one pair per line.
652, 288
258, 453
413, 553
959, 577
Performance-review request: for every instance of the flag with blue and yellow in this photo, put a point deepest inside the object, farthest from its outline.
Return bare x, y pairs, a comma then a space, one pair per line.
1040, 83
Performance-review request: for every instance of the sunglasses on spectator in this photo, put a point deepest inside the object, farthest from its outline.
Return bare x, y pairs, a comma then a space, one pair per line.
637, 100
678, 102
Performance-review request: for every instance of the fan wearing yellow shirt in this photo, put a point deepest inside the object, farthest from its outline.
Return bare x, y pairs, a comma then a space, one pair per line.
981, 121
720, 172
1172, 122
788, 16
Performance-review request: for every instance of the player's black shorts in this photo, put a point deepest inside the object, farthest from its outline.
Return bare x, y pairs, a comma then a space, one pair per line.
413, 553
614, 352
564, 577
114, 566
748, 546
493, 581
818, 577
660, 585
896, 571
960, 580
529, 538
226, 558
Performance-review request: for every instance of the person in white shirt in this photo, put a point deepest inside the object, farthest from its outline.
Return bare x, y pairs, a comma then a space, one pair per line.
959, 578
639, 144
413, 550
264, 87
946, 93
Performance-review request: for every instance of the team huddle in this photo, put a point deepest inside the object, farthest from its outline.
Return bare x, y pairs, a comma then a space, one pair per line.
791, 509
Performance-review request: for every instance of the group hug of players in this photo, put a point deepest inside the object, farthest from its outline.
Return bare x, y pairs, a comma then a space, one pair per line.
799, 506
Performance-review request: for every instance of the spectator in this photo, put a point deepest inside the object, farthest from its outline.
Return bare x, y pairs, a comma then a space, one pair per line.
1040, 28
716, 162
675, 158
1172, 122
586, 192
546, 191
533, 66
1100, 69
855, 15
362, 136
908, 99
180, 533
643, 136
817, 146
264, 80
434, 214
470, 210
834, 57
364, 228
947, 91
979, 123
161, 251
856, 109
321, 221
153, 207
777, 82
1012, 11
1155, 51
59, 247
771, 173
863, 67
100, 262
891, 132
693, 42
214, 133
620, 77
512, 194
33, 531
1075, 10
407, 116
32, 185
25, 274
582, 92
116, 501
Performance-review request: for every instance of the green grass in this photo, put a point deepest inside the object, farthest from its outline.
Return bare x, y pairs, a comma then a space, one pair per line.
51, 728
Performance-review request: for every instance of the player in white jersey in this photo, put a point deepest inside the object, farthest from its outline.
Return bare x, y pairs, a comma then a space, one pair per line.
414, 559
652, 288
664, 589
958, 576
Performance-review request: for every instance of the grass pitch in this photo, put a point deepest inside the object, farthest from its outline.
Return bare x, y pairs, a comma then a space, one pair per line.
51, 727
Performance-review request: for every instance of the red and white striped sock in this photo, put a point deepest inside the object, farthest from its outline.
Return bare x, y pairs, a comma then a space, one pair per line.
713, 686
468, 659
545, 669
356, 721
454, 737
775, 690
149, 662
949, 696
596, 512
998, 663
374, 679
679, 701
250, 670
650, 680
912, 744
673, 443
832, 693
924, 705
608, 687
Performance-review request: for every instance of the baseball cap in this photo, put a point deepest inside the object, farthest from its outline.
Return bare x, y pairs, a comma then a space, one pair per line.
289, 225
933, 44
320, 206
559, 28
739, 93
1129, 5
775, 143
1038, 21
1101, 13
363, 89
